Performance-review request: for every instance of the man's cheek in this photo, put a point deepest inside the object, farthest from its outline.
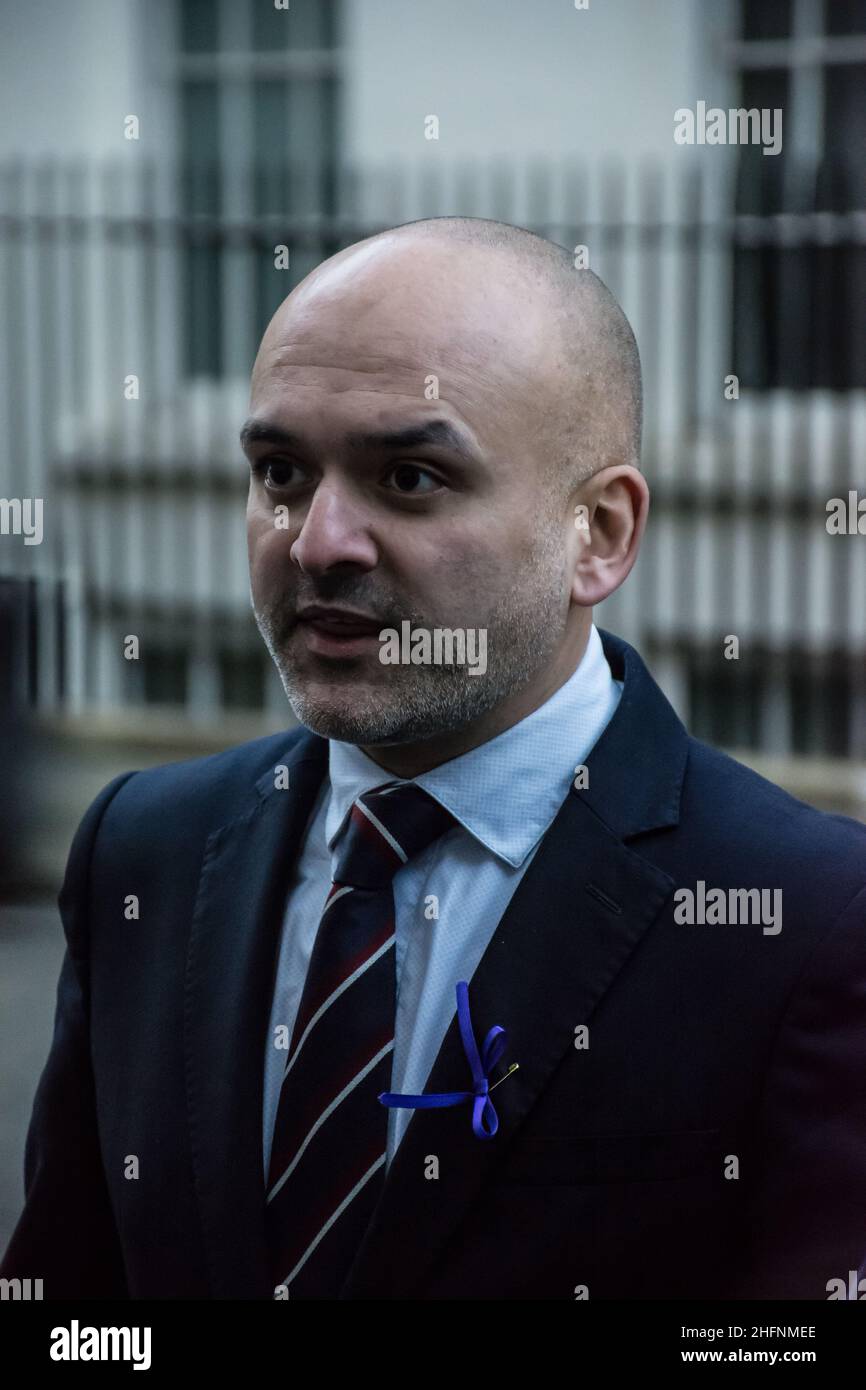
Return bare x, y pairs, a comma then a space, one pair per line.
261, 566
266, 546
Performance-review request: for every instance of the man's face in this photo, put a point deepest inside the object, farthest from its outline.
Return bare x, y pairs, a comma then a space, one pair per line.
450, 533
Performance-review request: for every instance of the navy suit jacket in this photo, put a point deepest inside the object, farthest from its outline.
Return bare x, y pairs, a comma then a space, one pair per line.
709, 1142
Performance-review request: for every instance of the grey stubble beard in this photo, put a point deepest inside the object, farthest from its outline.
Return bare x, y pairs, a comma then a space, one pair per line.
414, 703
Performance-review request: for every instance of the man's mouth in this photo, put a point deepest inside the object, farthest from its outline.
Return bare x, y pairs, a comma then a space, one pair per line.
337, 632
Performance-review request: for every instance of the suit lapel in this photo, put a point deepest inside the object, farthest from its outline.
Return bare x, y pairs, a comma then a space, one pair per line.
232, 956
574, 921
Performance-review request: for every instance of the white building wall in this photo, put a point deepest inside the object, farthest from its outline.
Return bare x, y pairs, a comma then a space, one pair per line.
71, 70
507, 78
518, 78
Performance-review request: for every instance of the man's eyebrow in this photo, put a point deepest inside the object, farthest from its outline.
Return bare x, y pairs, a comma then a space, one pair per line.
255, 431
442, 433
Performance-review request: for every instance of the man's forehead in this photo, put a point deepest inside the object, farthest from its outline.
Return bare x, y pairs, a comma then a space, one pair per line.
474, 382
486, 356
415, 306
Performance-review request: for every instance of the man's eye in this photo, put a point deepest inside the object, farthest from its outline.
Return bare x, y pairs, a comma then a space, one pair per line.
282, 473
407, 474
277, 472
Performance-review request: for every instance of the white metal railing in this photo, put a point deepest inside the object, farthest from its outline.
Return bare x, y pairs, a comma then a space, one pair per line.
144, 498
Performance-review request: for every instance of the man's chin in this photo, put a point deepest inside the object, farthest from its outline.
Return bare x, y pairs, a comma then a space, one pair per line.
342, 727
319, 709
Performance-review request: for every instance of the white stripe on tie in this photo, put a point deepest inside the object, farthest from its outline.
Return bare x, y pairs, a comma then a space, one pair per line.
383, 831
331, 1219
340, 893
329, 1110
349, 980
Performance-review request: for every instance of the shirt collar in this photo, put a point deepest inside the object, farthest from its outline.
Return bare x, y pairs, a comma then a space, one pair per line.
507, 791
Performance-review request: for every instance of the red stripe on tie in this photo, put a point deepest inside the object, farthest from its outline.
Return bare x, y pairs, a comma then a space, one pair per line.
375, 838
305, 1117
303, 1234
350, 966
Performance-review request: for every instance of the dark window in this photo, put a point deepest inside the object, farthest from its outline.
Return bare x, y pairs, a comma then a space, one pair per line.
767, 19
258, 112
165, 672
845, 16
800, 303
242, 680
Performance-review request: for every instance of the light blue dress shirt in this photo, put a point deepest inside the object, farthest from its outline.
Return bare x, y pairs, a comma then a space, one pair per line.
505, 794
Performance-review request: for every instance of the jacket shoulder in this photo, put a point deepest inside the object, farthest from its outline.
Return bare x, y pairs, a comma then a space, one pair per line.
753, 819
194, 795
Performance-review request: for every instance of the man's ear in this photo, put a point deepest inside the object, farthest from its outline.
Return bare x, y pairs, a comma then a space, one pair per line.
610, 517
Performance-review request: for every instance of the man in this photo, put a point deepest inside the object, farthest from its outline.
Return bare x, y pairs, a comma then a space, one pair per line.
266, 948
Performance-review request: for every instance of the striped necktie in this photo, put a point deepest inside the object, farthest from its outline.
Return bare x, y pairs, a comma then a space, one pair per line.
327, 1165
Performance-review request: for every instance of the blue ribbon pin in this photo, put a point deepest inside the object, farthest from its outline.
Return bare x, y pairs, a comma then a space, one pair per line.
480, 1065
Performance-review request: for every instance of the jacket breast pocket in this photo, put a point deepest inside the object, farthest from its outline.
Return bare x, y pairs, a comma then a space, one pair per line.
601, 1158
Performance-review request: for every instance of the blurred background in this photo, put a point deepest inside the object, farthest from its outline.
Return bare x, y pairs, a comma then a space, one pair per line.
155, 158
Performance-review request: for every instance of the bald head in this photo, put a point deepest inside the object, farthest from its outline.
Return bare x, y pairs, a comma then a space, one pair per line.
589, 379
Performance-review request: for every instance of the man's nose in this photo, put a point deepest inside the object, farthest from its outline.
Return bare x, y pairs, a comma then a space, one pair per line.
334, 532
